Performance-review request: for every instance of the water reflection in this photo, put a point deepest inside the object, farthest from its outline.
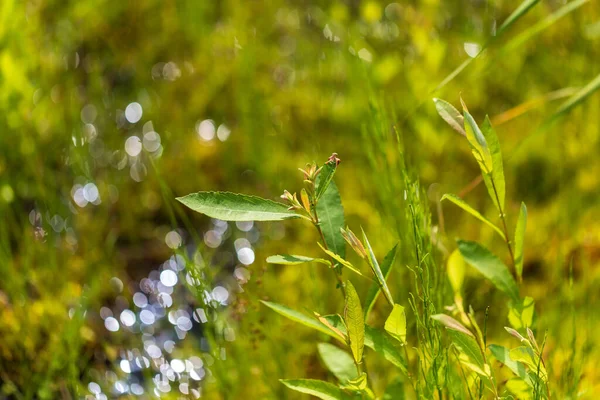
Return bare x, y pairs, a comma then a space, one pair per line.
161, 315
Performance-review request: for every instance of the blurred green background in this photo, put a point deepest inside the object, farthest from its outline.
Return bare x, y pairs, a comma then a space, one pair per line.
108, 110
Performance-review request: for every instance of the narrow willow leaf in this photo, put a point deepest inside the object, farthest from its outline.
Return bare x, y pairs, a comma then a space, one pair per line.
543, 24
497, 189
451, 115
339, 259
521, 10
452, 324
520, 240
502, 354
395, 324
299, 317
462, 204
289, 259
479, 146
375, 289
331, 219
332, 324
338, 362
472, 357
377, 270
325, 177
377, 340
456, 271
489, 266
577, 98
353, 316
320, 389
236, 207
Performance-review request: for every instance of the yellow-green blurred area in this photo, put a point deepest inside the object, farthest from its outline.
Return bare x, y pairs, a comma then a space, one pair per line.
111, 109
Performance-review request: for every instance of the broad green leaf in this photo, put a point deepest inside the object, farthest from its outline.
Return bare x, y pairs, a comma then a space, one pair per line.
497, 189
288, 259
519, 388
489, 266
462, 204
354, 318
339, 259
377, 340
456, 271
321, 389
325, 177
471, 355
525, 355
521, 10
520, 240
451, 115
237, 207
502, 354
479, 146
377, 270
521, 314
375, 289
299, 317
395, 324
331, 219
452, 324
338, 362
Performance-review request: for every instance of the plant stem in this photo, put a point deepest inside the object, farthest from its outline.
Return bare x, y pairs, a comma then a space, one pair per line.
503, 218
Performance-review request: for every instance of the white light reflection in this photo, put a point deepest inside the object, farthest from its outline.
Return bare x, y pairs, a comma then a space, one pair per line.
133, 112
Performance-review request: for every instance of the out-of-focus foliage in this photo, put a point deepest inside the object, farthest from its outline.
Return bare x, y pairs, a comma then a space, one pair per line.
240, 94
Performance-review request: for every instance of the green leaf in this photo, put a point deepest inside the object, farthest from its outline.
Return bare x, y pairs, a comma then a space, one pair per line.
395, 324
377, 270
479, 146
325, 177
520, 389
528, 33
523, 8
577, 98
525, 355
331, 219
288, 259
237, 207
520, 240
521, 314
462, 204
321, 389
451, 115
489, 266
452, 324
355, 322
375, 289
299, 317
339, 259
496, 190
502, 354
377, 340
358, 385
456, 271
338, 362
471, 355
